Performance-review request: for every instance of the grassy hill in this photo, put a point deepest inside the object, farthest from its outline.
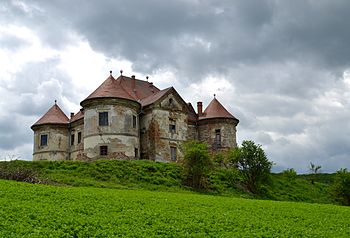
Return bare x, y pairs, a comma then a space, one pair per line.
34, 210
149, 175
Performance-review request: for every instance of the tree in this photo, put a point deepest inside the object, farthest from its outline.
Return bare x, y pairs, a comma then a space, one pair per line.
252, 163
315, 169
341, 187
197, 164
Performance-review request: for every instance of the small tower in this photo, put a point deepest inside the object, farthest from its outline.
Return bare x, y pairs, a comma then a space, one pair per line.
216, 126
51, 135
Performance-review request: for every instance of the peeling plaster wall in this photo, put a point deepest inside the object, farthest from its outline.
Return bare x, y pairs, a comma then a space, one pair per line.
77, 149
120, 136
156, 136
57, 143
206, 132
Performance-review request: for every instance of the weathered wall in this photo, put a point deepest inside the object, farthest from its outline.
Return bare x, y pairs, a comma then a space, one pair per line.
77, 149
206, 132
156, 138
57, 143
120, 136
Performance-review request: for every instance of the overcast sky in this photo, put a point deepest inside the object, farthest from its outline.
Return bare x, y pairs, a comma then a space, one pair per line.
281, 67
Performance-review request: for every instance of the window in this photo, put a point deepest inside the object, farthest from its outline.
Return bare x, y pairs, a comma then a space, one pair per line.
170, 101
103, 150
43, 140
72, 139
136, 152
173, 153
217, 138
172, 126
103, 118
133, 121
79, 137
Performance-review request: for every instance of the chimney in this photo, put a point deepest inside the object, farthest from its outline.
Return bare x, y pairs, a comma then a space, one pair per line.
71, 115
199, 108
133, 83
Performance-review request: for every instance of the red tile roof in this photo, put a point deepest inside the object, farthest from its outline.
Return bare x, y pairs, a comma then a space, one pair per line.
53, 116
154, 97
124, 87
215, 110
78, 116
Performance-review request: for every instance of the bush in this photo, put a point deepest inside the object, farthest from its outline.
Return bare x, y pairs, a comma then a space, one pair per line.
290, 174
15, 170
197, 164
253, 165
341, 187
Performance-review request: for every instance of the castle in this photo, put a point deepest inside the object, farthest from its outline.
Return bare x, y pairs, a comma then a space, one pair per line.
128, 118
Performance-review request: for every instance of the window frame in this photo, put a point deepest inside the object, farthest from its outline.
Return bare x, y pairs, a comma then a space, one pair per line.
218, 138
173, 153
134, 121
46, 140
172, 126
72, 139
103, 150
103, 118
79, 137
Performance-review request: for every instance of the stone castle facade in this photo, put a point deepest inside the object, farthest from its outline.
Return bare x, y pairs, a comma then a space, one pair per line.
128, 118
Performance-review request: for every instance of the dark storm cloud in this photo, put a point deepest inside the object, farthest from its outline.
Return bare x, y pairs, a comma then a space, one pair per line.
280, 56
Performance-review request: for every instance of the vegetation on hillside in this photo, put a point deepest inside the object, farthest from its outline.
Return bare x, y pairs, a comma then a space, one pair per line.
34, 210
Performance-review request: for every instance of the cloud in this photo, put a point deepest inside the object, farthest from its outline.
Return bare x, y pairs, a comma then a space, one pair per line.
278, 66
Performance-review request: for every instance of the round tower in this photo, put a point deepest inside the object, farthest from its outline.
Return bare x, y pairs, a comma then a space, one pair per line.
111, 120
51, 135
216, 126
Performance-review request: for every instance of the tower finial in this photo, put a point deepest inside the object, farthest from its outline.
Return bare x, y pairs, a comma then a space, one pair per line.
214, 95
121, 72
147, 78
110, 72
55, 102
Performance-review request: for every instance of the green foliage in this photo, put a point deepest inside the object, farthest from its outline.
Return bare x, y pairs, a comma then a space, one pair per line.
341, 187
290, 174
197, 164
32, 210
253, 165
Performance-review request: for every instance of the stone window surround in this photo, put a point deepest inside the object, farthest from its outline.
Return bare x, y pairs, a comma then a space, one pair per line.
103, 118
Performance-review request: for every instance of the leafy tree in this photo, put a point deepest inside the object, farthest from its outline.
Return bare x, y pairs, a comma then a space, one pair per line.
252, 163
197, 164
341, 187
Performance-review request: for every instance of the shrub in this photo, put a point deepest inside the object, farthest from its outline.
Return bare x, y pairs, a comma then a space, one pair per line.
290, 174
16, 170
341, 187
252, 163
197, 164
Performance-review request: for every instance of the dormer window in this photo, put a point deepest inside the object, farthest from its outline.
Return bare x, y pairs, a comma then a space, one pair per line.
103, 118
170, 101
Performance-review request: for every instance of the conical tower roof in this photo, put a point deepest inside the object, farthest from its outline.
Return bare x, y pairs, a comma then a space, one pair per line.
53, 116
215, 110
110, 88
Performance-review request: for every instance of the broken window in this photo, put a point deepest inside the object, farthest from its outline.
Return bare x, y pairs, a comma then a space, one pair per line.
43, 140
173, 153
103, 118
172, 126
133, 121
103, 150
79, 137
217, 138
72, 139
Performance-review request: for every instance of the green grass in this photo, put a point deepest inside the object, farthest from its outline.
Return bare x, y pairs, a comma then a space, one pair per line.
28, 210
149, 175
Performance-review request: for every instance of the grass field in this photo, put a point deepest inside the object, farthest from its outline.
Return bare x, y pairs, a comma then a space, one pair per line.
29, 210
